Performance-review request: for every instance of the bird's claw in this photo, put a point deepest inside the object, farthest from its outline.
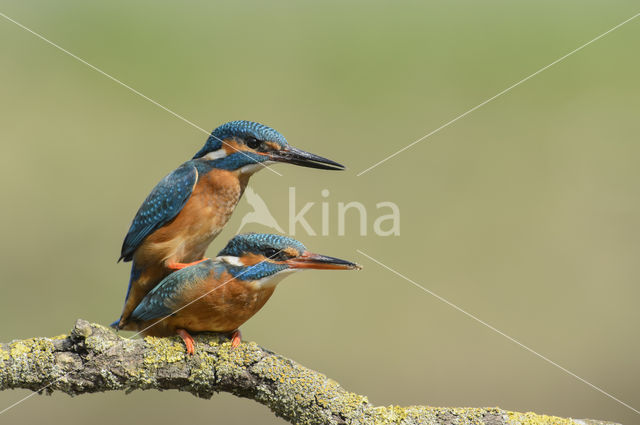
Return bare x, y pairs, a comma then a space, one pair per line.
188, 341
236, 338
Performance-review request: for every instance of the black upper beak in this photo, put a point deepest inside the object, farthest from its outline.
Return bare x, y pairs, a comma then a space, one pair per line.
310, 260
297, 156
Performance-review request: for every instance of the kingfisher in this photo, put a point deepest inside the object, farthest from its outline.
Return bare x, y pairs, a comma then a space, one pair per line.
219, 295
189, 207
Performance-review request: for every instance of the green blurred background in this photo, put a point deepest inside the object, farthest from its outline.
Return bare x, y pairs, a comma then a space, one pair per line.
524, 213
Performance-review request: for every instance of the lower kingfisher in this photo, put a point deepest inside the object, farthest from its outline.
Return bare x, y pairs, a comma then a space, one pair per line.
219, 295
190, 206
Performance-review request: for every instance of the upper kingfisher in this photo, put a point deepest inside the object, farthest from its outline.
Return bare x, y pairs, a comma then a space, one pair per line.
221, 294
190, 206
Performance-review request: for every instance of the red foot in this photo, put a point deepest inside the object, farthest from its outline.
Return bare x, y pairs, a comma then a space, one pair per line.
188, 341
236, 338
178, 266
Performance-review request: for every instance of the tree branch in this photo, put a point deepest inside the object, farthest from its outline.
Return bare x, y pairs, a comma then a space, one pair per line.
94, 359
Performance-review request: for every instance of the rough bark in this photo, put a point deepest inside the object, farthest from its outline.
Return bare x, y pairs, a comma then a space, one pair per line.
93, 358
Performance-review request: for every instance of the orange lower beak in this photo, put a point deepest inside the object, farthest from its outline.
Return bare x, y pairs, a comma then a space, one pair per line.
309, 260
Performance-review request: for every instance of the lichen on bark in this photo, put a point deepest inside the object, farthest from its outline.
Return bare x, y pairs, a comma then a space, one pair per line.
92, 358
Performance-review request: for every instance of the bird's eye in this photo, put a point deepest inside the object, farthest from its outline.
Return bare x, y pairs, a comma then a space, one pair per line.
253, 143
271, 253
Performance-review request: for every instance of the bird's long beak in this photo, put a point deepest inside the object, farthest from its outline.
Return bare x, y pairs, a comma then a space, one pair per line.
297, 156
309, 260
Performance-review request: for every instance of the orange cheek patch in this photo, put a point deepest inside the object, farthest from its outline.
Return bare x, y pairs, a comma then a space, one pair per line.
230, 146
273, 145
251, 259
291, 252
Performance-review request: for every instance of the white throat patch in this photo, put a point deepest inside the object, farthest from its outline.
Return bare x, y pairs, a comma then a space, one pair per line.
256, 166
274, 279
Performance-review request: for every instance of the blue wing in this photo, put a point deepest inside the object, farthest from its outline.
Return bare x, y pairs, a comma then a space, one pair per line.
163, 203
167, 296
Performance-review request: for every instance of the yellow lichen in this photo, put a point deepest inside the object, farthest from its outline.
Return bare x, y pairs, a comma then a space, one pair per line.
19, 348
530, 418
34, 351
313, 394
161, 350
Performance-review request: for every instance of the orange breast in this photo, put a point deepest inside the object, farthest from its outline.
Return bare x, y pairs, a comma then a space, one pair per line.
186, 238
228, 304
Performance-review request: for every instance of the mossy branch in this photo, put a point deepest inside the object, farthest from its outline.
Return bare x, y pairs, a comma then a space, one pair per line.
93, 358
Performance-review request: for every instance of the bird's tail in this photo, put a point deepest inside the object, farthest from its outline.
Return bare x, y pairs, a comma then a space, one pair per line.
135, 274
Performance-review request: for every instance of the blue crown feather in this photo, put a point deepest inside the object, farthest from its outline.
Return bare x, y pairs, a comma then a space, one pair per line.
243, 130
259, 243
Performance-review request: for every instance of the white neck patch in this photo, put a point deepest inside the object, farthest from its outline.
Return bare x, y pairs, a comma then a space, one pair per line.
220, 153
231, 260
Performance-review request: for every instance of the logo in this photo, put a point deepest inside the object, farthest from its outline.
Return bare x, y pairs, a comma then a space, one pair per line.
260, 214
352, 215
